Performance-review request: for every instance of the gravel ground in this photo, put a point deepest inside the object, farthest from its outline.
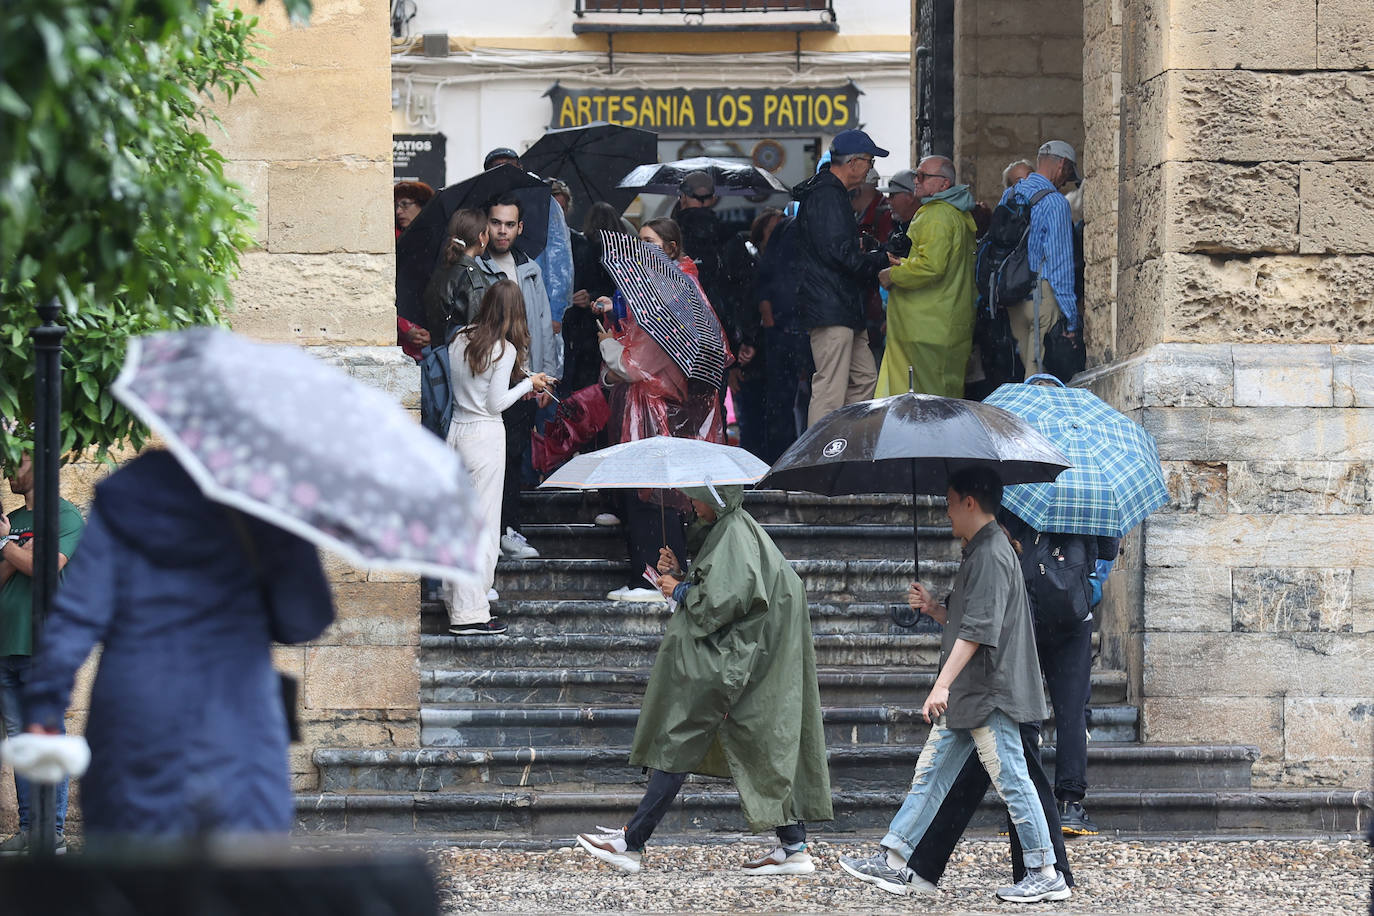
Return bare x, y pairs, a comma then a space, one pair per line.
1135, 876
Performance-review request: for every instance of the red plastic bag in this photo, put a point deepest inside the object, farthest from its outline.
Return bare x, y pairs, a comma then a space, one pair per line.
580, 416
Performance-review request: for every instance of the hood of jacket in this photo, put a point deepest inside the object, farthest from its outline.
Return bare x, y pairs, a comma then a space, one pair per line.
154, 506
959, 197
821, 179
725, 499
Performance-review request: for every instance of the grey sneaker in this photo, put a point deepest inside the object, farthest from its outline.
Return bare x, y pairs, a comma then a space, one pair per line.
1034, 888
875, 870
18, 845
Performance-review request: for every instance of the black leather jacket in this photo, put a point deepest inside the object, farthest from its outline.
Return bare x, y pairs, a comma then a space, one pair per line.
832, 270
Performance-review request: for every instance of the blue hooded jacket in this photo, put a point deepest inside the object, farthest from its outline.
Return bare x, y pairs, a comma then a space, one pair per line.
187, 727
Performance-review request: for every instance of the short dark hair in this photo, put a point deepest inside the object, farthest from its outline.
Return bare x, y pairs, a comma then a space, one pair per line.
508, 199
982, 483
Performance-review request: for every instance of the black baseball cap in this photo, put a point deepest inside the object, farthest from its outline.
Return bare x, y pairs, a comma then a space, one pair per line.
501, 152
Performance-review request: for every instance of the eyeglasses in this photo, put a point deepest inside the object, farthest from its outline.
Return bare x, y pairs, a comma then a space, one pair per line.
867, 160
922, 176
406, 203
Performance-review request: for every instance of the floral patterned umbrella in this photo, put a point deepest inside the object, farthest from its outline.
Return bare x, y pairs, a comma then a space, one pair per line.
276, 433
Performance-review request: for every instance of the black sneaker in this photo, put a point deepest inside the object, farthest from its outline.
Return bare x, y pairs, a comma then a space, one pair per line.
492, 627
1074, 821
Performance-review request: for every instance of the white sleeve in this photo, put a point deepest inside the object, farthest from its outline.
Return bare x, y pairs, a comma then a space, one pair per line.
499, 396
613, 353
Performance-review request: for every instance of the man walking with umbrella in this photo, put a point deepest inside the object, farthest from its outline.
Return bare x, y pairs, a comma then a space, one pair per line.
733, 692
834, 271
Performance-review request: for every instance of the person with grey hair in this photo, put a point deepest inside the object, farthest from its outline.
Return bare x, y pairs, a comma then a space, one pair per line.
1015, 171
833, 271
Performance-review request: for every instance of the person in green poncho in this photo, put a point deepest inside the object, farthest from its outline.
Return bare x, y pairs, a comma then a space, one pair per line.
733, 692
931, 293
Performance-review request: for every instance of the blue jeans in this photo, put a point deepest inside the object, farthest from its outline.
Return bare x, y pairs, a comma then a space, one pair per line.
998, 745
14, 673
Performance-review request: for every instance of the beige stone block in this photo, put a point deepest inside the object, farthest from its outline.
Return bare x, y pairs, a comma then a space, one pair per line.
384, 368
251, 176
1101, 52
340, 34
1214, 720
310, 113
327, 298
1275, 299
374, 614
1020, 18
1261, 434
1007, 57
1319, 729
362, 728
1196, 486
1345, 34
361, 677
338, 570
1061, 57
1291, 600
1188, 599
1352, 374
1245, 34
1362, 599
1040, 95
1338, 208
1174, 539
1188, 375
1225, 665
289, 660
1283, 375
1220, 208
1140, 290
1144, 26
1245, 116
1301, 487
1066, 127
1143, 201
322, 207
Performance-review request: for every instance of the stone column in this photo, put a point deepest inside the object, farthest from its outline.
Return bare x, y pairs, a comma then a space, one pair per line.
1243, 339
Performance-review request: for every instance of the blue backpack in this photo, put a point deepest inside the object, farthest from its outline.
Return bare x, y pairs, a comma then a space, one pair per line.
436, 388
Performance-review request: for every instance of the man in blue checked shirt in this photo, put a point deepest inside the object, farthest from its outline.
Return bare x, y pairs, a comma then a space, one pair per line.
1050, 249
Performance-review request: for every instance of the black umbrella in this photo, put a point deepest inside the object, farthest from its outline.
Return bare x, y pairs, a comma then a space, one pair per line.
418, 248
591, 160
912, 443
739, 178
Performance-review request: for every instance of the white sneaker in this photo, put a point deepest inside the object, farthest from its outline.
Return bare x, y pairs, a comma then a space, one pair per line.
610, 848
625, 593
514, 546
492, 595
781, 862
607, 520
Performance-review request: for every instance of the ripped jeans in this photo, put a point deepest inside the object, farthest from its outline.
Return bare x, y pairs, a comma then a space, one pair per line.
998, 745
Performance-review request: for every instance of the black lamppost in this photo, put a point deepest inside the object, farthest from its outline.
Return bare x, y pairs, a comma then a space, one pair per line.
47, 344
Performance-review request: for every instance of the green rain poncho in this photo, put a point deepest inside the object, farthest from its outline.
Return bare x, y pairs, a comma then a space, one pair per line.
733, 692
930, 306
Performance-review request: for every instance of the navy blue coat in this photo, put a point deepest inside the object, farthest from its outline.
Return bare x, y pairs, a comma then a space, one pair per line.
186, 727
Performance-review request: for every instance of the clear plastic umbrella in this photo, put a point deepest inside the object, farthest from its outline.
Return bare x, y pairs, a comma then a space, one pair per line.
298, 443
658, 463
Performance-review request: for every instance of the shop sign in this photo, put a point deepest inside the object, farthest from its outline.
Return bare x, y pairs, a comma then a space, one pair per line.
418, 157
770, 112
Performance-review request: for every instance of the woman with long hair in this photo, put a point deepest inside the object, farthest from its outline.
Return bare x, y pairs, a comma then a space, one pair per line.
455, 290
486, 357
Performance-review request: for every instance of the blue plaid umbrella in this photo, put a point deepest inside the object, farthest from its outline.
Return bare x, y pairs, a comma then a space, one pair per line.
665, 302
1116, 479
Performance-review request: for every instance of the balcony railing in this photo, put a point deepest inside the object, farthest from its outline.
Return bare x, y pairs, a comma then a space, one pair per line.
703, 15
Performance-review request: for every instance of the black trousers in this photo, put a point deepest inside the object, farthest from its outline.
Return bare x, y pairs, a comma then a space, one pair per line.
649, 526
933, 852
658, 798
1066, 658
519, 421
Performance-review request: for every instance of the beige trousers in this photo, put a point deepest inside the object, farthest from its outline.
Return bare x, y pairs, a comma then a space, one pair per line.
845, 371
482, 446
1032, 342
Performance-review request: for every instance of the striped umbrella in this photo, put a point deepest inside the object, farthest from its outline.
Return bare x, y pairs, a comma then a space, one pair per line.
666, 303
1115, 479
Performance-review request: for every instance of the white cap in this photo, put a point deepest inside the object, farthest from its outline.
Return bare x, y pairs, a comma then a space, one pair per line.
1063, 151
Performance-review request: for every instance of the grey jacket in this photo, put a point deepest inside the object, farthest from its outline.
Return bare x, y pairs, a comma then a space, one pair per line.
545, 348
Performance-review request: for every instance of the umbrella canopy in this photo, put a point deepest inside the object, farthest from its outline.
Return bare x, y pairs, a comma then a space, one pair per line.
419, 247
667, 304
738, 178
591, 160
911, 443
278, 434
658, 463
1116, 479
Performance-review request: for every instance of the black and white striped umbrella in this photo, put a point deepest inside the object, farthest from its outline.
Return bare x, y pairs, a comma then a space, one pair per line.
667, 304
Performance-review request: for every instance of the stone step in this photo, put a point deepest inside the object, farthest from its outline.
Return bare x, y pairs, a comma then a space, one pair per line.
522, 814
638, 651
796, 541
824, 579
543, 617
566, 726
766, 506
612, 686
876, 767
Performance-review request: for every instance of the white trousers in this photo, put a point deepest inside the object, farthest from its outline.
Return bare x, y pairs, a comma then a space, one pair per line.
482, 446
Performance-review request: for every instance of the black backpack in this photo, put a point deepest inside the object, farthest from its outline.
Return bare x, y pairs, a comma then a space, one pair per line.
1057, 567
1003, 273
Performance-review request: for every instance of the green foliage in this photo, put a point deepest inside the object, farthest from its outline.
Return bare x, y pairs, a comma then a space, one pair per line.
112, 198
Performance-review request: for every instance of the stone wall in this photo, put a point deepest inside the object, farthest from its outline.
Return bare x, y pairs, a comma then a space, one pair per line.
1255, 585
1100, 157
1019, 81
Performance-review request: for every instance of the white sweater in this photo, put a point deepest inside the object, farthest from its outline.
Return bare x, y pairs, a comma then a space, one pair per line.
483, 397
